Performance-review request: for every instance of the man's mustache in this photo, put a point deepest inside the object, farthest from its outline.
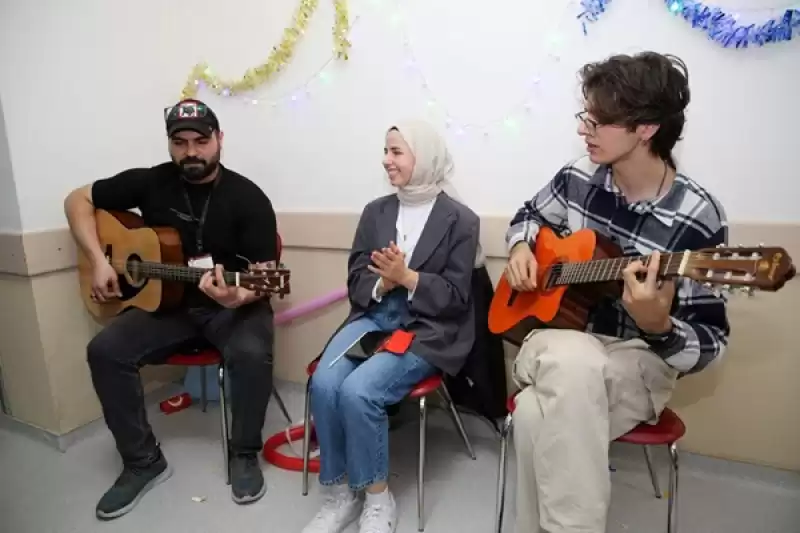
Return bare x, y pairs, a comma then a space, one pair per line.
192, 161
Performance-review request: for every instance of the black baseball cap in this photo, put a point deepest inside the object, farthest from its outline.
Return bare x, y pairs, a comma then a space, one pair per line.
191, 115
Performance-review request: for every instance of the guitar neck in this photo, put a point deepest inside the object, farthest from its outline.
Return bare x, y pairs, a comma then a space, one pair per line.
601, 270
167, 272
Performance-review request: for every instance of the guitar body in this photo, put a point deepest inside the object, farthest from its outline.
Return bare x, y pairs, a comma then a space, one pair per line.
514, 314
123, 236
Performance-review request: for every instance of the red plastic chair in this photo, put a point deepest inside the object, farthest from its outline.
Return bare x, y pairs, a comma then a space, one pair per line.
211, 356
419, 392
669, 429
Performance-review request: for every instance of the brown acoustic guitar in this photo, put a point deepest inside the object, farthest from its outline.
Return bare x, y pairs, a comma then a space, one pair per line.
575, 272
152, 270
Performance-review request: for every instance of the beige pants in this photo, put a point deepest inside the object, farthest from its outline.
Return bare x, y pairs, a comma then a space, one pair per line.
579, 391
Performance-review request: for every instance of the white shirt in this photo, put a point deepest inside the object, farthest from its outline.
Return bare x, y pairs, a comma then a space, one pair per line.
411, 220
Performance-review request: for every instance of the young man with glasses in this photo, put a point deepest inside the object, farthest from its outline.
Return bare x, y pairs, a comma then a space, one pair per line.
223, 219
583, 389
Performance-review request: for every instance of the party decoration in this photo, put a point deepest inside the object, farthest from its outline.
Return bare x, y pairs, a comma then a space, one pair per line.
592, 9
340, 29
724, 27
309, 307
202, 75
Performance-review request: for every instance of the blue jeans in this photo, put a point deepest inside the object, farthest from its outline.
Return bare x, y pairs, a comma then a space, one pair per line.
348, 401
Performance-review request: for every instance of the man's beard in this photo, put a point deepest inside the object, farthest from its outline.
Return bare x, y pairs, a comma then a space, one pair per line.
194, 169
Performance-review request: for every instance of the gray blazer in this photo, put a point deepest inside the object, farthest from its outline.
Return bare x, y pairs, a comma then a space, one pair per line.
441, 311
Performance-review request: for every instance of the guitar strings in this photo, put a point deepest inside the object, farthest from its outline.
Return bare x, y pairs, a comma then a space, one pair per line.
606, 269
187, 273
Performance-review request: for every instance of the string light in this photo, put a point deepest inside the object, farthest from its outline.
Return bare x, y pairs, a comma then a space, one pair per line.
510, 120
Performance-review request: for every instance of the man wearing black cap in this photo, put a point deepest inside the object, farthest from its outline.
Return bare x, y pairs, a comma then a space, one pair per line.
222, 218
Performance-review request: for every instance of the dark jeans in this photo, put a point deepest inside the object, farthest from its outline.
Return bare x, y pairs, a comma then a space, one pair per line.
135, 338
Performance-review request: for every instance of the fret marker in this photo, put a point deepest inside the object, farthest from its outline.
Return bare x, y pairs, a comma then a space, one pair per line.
684, 262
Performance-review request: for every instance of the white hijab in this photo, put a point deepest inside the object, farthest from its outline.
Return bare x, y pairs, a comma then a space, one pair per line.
433, 169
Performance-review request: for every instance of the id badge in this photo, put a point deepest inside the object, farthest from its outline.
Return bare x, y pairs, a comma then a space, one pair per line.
204, 261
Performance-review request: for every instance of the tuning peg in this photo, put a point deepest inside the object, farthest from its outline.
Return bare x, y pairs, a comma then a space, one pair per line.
751, 291
761, 245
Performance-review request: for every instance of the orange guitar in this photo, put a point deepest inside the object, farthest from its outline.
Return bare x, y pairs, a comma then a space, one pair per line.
576, 271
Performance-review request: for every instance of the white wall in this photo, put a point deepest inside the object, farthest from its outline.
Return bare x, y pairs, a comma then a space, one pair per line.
10, 219
84, 84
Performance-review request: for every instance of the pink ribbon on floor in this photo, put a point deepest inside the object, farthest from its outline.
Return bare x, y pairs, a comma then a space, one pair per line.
306, 308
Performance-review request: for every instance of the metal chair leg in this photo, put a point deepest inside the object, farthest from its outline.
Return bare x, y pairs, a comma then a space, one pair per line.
203, 389
501, 474
423, 421
653, 474
282, 405
451, 406
672, 506
306, 436
223, 408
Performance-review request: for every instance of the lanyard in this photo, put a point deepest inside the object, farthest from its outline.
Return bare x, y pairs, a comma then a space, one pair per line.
200, 222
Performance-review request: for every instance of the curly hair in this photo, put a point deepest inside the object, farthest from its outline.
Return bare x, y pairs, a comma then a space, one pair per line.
646, 88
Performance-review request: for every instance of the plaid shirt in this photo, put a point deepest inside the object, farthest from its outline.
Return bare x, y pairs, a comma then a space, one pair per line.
583, 195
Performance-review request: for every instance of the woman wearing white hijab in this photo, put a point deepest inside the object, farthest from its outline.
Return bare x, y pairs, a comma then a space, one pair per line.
410, 269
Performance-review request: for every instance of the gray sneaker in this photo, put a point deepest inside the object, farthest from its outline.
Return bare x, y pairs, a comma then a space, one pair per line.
247, 480
130, 486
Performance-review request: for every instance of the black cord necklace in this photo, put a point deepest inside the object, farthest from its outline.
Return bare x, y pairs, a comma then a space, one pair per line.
663, 180
660, 186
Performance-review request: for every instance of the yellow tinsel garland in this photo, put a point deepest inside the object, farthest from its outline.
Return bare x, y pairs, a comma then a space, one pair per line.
278, 58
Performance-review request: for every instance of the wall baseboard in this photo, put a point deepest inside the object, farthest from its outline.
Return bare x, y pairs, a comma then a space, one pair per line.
63, 442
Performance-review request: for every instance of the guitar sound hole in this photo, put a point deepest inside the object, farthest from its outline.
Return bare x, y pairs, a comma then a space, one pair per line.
550, 276
134, 279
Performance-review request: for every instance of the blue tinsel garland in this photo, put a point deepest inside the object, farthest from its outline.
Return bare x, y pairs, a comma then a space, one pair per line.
721, 26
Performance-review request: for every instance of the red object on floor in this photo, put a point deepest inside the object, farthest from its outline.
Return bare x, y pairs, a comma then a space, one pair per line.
176, 403
271, 454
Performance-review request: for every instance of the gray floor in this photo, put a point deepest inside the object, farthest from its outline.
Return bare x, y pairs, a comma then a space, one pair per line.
43, 490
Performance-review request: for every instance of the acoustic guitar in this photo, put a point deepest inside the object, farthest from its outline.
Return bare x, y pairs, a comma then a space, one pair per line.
577, 271
152, 270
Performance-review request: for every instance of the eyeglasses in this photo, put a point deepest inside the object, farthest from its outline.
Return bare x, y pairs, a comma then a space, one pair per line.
185, 110
590, 123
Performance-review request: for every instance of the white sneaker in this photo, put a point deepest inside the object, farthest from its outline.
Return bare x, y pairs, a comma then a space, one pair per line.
379, 514
340, 509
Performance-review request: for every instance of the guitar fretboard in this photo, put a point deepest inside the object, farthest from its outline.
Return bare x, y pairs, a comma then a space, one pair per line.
172, 272
600, 270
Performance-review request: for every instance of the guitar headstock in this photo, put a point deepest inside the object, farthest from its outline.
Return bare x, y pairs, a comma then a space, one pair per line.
745, 268
266, 280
